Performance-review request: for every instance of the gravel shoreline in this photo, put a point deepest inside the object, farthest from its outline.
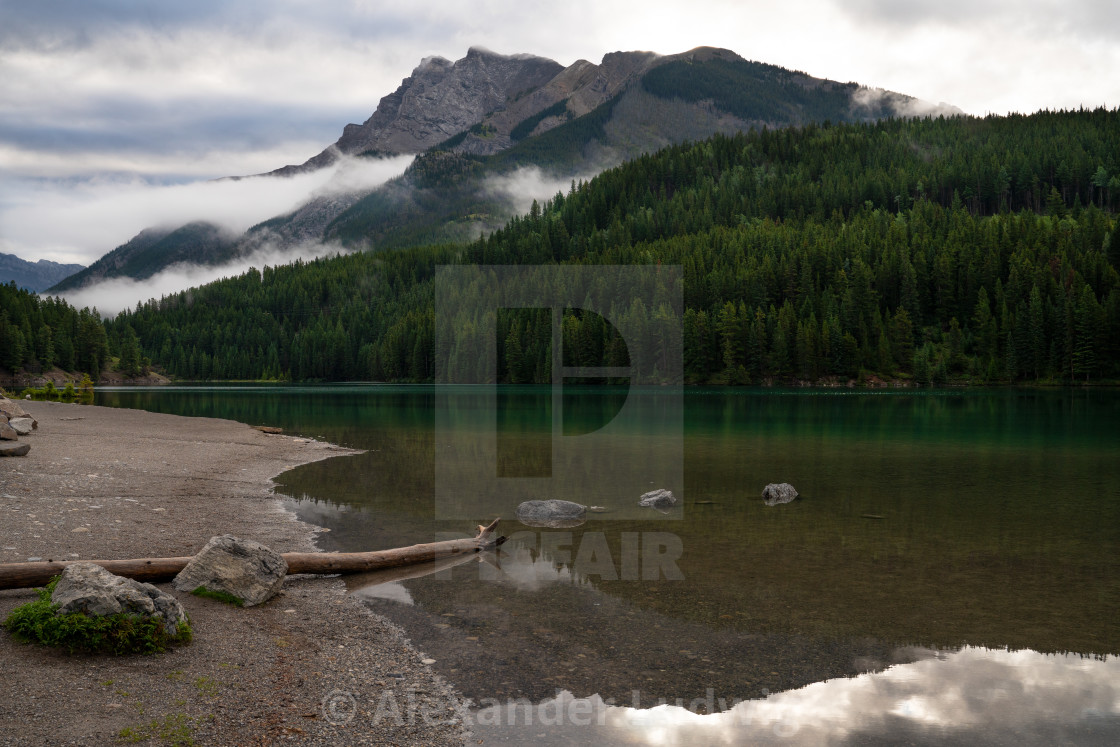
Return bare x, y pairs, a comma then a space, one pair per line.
105, 483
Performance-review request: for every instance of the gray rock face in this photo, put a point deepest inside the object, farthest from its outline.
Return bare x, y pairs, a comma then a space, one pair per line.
660, 498
89, 588
22, 426
13, 449
243, 568
551, 513
776, 494
440, 99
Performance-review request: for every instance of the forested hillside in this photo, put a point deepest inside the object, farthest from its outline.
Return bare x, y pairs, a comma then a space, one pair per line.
41, 333
961, 248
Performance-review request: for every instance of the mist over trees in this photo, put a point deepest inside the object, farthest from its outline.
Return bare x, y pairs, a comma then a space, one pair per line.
964, 249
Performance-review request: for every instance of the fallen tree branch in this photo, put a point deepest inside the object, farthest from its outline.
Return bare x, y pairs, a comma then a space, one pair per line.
25, 575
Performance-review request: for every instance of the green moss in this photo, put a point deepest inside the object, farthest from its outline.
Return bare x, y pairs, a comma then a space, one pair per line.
115, 634
221, 596
174, 729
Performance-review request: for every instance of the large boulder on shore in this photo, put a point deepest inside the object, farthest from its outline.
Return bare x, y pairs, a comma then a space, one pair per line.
7, 432
240, 568
13, 449
22, 426
14, 410
89, 588
778, 493
660, 498
553, 513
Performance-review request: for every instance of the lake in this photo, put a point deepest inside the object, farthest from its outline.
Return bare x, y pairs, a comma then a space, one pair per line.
951, 572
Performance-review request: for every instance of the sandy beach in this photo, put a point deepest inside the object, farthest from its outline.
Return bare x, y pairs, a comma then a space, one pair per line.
103, 483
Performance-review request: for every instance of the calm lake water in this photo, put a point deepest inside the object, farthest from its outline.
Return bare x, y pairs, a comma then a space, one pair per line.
951, 573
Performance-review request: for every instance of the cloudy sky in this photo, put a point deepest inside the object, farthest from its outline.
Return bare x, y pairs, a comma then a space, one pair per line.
103, 104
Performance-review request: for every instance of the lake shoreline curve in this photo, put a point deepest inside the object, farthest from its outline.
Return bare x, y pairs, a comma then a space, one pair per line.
312, 666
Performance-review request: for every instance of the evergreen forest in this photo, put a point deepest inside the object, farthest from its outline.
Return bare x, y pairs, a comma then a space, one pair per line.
935, 250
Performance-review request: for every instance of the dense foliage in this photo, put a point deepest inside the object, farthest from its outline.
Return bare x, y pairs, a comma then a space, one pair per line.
119, 634
38, 333
940, 248
755, 91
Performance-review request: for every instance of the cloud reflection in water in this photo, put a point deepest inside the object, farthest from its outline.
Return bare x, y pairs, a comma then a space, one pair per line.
972, 696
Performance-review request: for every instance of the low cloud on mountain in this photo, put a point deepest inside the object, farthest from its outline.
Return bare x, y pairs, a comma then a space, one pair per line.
80, 221
116, 294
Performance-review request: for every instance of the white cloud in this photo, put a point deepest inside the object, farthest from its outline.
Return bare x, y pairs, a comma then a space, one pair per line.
211, 89
529, 183
112, 296
79, 222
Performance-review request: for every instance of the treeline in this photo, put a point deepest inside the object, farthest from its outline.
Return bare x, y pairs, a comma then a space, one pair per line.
970, 248
39, 333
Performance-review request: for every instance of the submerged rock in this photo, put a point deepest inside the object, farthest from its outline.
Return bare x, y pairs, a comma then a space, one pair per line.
89, 588
553, 513
241, 568
660, 498
778, 493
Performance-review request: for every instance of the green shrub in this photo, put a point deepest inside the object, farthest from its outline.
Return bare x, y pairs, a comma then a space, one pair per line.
115, 634
221, 596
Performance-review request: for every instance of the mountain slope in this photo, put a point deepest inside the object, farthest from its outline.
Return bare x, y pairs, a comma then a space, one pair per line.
440, 99
154, 249
950, 248
478, 120
33, 276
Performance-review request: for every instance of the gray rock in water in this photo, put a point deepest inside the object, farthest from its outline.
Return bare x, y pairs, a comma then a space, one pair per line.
242, 568
551, 513
778, 493
13, 449
660, 498
22, 426
89, 588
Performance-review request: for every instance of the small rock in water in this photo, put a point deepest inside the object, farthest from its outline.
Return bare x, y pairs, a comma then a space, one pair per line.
660, 498
551, 513
776, 494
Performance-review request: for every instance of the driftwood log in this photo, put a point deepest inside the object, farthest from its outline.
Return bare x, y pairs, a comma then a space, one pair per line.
24, 575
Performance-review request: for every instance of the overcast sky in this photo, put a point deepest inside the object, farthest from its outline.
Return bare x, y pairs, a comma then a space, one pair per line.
102, 99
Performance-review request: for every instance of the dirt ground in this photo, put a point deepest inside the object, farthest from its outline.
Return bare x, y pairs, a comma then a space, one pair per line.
311, 666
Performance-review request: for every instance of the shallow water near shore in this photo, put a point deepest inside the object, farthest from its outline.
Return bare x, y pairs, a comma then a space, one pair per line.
951, 572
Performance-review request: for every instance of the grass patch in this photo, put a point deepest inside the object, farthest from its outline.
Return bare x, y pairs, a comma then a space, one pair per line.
174, 729
221, 596
113, 634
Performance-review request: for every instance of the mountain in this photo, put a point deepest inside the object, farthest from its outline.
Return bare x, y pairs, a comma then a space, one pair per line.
33, 276
922, 250
476, 122
154, 249
585, 118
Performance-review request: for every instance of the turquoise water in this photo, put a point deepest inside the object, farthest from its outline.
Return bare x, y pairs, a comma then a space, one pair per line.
928, 522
